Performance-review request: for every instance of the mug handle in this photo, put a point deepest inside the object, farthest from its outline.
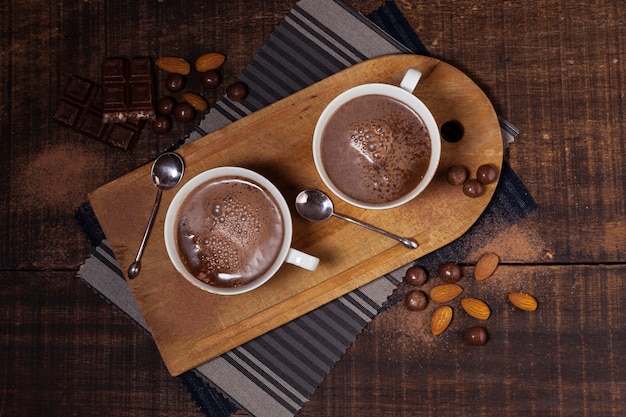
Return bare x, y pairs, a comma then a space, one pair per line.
301, 259
410, 80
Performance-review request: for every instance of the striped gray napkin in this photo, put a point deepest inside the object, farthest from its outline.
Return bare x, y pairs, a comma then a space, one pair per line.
276, 373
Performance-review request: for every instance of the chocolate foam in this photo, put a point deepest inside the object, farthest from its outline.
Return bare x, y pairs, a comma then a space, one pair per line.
230, 232
375, 149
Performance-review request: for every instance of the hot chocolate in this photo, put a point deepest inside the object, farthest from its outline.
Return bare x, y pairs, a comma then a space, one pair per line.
375, 149
230, 232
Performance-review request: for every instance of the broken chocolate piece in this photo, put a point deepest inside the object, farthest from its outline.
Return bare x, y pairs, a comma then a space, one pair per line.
80, 109
127, 89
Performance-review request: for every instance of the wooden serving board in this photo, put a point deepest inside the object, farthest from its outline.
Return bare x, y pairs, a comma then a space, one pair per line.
190, 326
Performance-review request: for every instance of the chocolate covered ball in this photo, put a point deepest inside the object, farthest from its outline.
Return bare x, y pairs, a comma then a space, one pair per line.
175, 82
476, 336
416, 300
472, 188
237, 91
449, 272
184, 112
162, 124
486, 174
165, 106
210, 79
456, 175
416, 276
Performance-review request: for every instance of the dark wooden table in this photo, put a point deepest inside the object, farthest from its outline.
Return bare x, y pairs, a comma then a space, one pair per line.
556, 69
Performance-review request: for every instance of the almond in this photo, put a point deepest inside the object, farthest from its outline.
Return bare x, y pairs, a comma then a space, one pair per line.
486, 266
441, 319
174, 65
445, 292
196, 101
476, 308
523, 301
209, 61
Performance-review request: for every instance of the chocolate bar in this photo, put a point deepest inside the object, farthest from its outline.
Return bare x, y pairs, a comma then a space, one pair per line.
127, 89
80, 109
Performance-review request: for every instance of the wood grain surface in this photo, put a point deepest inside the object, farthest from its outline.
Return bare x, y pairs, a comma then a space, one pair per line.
556, 69
204, 325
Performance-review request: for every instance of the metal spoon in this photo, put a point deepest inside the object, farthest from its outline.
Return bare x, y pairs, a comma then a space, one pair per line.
167, 171
316, 206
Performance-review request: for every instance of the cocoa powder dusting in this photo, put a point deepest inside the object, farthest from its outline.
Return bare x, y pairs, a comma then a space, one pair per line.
514, 244
57, 177
411, 329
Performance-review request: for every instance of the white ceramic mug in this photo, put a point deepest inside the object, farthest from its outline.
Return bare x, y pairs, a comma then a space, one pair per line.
285, 254
403, 94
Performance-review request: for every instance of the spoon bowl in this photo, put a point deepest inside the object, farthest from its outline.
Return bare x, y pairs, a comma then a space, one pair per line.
316, 206
167, 171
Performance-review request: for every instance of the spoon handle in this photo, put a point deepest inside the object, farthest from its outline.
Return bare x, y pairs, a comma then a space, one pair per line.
409, 243
135, 267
